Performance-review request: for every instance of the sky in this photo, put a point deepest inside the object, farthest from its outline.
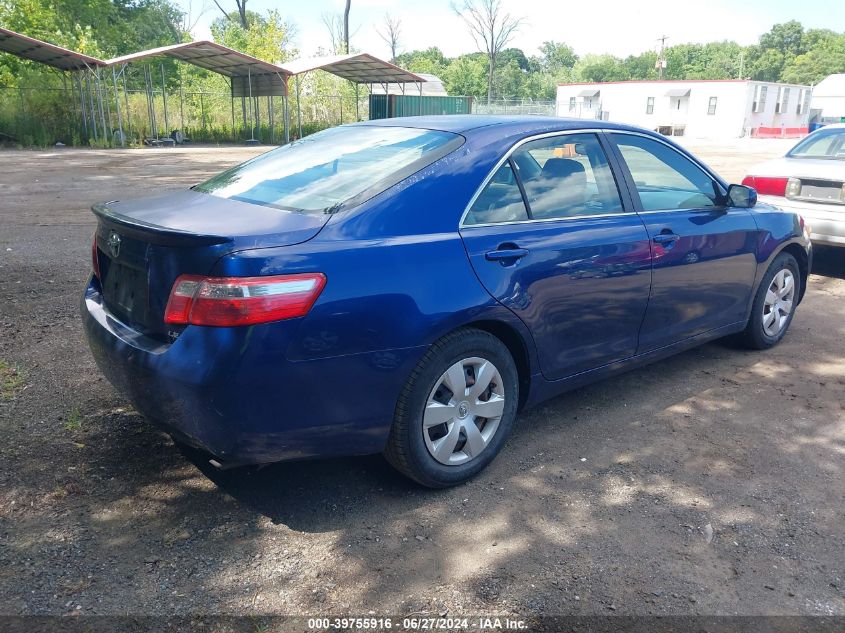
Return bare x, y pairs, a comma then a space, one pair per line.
619, 27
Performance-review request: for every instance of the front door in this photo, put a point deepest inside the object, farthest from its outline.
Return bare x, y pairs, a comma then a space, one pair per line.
704, 251
550, 238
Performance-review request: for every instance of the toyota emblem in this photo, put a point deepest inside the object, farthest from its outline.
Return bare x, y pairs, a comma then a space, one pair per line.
114, 244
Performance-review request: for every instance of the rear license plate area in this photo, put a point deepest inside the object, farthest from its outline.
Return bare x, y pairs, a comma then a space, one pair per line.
125, 292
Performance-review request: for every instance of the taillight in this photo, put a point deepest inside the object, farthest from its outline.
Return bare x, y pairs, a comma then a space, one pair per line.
232, 301
766, 186
95, 259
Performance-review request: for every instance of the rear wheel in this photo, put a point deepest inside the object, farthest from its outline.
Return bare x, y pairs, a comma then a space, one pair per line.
774, 304
455, 410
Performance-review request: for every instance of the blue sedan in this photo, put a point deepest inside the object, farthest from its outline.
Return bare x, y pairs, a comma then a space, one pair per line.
406, 286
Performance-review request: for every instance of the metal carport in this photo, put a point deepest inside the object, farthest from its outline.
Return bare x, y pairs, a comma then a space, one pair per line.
359, 68
249, 77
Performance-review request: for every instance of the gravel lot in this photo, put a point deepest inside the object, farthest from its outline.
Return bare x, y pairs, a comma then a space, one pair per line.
710, 483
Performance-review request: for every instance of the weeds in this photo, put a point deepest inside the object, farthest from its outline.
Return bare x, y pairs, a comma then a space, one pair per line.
74, 421
11, 381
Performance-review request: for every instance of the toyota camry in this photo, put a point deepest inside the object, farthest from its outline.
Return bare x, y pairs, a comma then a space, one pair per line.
406, 286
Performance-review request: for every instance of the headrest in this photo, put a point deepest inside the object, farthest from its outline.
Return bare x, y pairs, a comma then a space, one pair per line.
562, 168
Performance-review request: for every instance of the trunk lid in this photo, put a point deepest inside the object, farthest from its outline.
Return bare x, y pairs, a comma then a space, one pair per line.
144, 245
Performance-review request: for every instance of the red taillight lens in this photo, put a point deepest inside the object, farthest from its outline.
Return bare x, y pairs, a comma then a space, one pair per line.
231, 301
766, 186
95, 259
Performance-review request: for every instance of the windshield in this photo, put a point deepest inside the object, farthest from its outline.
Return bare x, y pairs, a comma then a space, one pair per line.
320, 172
822, 144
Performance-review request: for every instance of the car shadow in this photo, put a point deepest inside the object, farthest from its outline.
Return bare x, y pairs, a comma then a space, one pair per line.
829, 261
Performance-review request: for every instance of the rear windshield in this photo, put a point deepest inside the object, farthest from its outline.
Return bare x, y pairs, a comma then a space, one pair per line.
321, 172
821, 144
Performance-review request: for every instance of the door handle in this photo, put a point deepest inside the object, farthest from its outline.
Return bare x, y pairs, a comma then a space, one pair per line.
666, 238
504, 254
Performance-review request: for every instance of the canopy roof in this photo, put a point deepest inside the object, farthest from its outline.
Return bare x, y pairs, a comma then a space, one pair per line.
44, 52
678, 92
359, 67
209, 55
589, 92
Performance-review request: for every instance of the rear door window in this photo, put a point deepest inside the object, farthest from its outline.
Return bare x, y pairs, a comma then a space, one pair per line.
567, 176
500, 201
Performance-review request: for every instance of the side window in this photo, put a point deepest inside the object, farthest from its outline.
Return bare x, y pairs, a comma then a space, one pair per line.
665, 178
500, 201
567, 176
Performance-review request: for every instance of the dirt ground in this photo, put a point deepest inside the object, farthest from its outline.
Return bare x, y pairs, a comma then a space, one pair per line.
710, 483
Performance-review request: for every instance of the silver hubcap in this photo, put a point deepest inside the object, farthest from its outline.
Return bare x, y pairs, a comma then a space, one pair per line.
463, 411
778, 304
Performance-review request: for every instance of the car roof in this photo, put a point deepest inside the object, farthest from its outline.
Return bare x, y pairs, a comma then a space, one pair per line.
462, 123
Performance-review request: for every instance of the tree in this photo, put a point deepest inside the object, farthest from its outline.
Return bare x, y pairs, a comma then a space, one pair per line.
431, 61
556, 56
268, 36
599, 68
334, 25
392, 31
491, 29
827, 57
466, 76
346, 26
241, 15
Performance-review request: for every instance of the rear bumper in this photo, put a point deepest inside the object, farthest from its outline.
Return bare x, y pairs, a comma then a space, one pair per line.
232, 392
826, 221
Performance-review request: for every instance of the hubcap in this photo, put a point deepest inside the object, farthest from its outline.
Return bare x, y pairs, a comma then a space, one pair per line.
779, 301
463, 411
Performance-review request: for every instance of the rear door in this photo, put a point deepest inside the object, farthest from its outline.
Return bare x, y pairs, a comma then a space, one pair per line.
704, 250
551, 238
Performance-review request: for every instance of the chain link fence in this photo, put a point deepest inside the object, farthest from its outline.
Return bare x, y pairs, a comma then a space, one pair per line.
515, 107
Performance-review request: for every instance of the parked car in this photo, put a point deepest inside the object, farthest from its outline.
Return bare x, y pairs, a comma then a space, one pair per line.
405, 286
810, 180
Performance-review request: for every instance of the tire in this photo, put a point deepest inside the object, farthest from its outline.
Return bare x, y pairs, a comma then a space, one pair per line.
764, 330
439, 455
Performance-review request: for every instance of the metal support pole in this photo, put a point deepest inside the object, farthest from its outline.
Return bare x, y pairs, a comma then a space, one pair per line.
164, 97
100, 106
91, 104
298, 109
126, 102
420, 84
202, 110
233, 118
285, 111
181, 104
357, 104
82, 108
271, 119
287, 118
117, 107
252, 104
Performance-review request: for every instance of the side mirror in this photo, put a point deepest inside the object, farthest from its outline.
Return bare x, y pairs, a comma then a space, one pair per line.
741, 197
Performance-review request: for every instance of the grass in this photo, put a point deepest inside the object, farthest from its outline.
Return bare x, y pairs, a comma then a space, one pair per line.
74, 421
12, 380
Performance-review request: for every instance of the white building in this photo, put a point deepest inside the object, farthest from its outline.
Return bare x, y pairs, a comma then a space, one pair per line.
829, 100
701, 109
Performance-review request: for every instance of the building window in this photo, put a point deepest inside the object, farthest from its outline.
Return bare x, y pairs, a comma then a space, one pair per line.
572, 102
649, 105
784, 102
759, 98
711, 107
803, 104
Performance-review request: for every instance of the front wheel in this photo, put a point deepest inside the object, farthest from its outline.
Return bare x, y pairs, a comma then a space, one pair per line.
774, 304
455, 411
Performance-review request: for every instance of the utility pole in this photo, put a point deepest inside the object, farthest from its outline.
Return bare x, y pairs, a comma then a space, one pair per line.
741, 64
661, 60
